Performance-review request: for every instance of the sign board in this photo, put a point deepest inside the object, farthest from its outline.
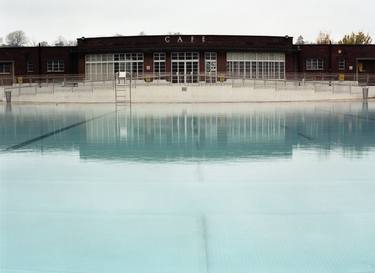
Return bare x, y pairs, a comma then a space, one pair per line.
179, 39
122, 75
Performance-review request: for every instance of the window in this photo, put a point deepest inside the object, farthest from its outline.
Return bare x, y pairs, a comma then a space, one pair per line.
342, 65
314, 64
5, 68
104, 66
159, 64
210, 66
246, 65
29, 67
128, 62
55, 66
185, 67
183, 56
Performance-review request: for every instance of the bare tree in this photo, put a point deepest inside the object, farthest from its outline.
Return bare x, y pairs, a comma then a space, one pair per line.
61, 41
33, 42
71, 43
300, 40
324, 38
16, 38
43, 43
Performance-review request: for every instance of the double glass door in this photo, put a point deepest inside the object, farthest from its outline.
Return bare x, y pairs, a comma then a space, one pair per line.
185, 67
211, 65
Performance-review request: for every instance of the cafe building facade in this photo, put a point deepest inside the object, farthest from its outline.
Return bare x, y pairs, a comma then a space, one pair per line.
187, 58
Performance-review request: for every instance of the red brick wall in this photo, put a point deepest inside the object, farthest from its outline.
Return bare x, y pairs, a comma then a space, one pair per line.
331, 54
186, 43
148, 62
221, 62
81, 64
39, 57
74, 57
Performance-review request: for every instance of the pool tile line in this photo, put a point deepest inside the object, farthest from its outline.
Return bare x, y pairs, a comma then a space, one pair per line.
58, 131
205, 243
305, 136
309, 138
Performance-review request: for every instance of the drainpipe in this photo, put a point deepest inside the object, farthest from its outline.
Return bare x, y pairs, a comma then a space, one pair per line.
13, 72
330, 57
39, 59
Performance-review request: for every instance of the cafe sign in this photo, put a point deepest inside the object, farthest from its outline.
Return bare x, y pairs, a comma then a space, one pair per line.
185, 39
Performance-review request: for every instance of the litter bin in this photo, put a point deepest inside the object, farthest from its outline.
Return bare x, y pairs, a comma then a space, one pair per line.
8, 96
365, 93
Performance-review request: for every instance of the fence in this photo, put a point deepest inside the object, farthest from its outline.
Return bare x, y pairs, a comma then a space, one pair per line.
31, 85
362, 78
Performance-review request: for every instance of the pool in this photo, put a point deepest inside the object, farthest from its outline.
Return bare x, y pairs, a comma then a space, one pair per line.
187, 188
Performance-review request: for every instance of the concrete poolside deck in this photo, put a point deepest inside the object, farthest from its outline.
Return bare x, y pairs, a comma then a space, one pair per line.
185, 94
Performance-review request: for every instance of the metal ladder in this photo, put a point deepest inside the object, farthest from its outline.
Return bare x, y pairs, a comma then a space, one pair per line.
122, 89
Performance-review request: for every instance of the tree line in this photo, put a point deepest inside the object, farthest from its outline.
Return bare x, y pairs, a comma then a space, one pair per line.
19, 38
354, 38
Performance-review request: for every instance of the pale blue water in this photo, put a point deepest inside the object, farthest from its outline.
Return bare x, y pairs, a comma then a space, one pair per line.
210, 188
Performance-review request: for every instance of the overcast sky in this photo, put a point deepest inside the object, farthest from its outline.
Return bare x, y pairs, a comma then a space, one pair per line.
45, 20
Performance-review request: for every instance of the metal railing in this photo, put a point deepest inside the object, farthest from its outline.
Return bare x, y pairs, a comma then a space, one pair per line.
31, 85
7, 80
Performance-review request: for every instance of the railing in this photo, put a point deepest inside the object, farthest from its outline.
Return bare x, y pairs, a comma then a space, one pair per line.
365, 78
40, 79
78, 83
32, 85
319, 84
362, 78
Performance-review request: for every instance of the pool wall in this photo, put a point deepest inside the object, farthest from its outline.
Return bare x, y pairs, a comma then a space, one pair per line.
184, 94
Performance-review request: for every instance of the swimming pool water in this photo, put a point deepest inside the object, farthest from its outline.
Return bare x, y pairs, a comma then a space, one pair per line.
188, 188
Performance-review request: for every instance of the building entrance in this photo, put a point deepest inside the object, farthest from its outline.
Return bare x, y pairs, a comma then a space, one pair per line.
366, 71
211, 67
185, 67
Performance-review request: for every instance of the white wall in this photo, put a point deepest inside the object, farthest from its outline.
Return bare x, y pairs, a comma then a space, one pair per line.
193, 94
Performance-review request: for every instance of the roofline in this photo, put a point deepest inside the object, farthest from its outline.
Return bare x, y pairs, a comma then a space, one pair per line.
335, 44
157, 49
50, 46
207, 35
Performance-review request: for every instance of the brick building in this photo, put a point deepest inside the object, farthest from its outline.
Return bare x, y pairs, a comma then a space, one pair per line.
189, 58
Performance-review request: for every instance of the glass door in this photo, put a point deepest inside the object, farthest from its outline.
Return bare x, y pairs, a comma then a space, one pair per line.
191, 72
185, 67
210, 67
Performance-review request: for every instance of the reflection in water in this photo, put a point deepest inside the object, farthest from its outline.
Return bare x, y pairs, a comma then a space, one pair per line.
161, 189
185, 132
8, 108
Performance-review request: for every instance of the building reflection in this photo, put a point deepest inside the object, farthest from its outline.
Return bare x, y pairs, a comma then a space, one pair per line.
181, 134
184, 136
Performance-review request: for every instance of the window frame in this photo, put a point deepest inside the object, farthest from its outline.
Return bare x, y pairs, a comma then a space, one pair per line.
256, 65
3, 70
314, 64
29, 67
160, 64
55, 66
341, 64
